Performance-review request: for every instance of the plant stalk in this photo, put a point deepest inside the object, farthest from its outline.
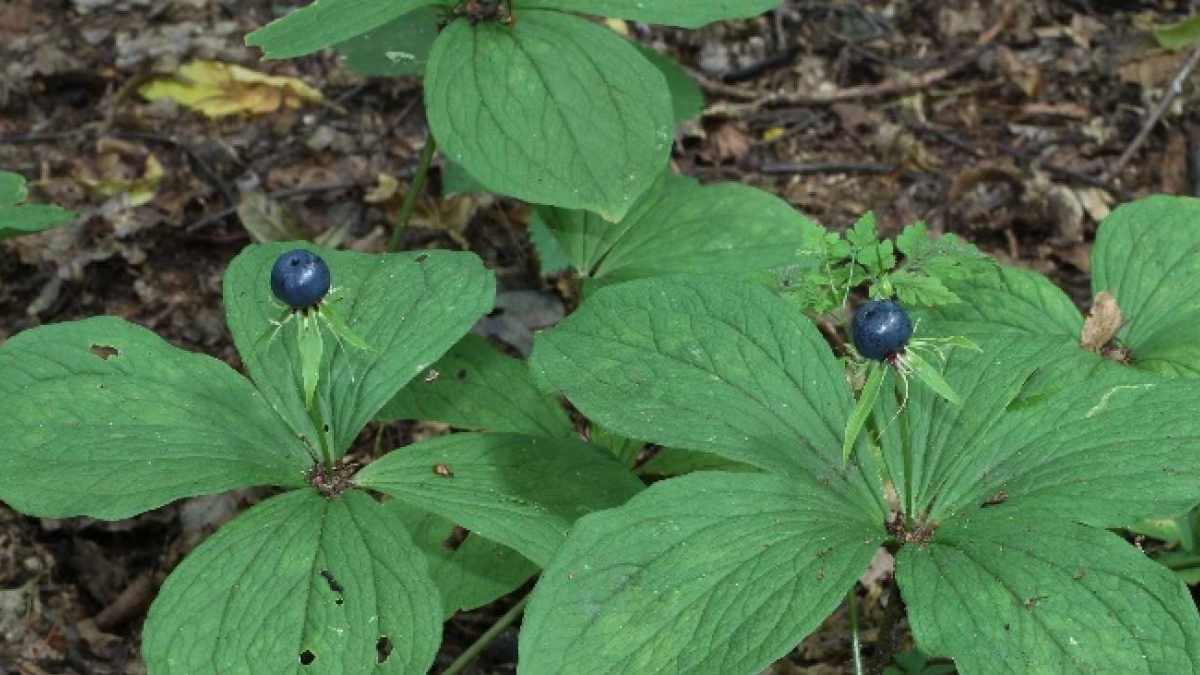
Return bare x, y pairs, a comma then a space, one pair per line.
855, 644
486, 639
414, 192
890, 637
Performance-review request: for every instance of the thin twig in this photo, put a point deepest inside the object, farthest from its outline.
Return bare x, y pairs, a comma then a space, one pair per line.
1157, 112
484, 640
827, 167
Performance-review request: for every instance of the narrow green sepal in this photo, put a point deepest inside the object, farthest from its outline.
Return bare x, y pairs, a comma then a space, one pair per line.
862, 409
311, 349
337, 323
930, 376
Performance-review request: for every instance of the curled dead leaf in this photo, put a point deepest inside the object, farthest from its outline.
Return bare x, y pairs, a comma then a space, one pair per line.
1103, 322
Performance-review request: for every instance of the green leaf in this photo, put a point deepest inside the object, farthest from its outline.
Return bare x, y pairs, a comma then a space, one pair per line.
1083, 452
470, 572
624, 450
708, 364
553, 110
1001, 594
325, 23
1146, 256
687, 100
552, 259
863, 407
103, 418
475, 386
299, 574
520, 491
1004, 299
918, 289
1185, 564
17, 219
681, 13
709, 574
408, 307
1179, 35
671, 462
680, 227
397, 48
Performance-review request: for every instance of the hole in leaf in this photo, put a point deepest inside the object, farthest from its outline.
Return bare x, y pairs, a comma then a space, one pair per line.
383, 648
339, 602
104, 352
422, 258
462, 375
307, 657
326, 428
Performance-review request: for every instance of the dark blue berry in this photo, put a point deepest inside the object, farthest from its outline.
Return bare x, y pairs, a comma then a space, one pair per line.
299, 278
880, 328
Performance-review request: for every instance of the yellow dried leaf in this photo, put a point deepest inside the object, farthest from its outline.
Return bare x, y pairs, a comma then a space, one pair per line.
384, 191
772, 133
618, 26
140, 190
217, 89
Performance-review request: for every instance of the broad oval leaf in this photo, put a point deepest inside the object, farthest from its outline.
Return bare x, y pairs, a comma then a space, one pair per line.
397, 48
552, 110
709, 574
1081, 449
299, 584
681, 227
1004, 299
1147, 254
475, 386
681, 13
104, 418
470, 572
714, 365
16, 218
1003, 594
324, 23
409, 308
520, 491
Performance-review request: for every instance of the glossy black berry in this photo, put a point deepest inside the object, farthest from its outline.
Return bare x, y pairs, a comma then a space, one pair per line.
880, 328
299, 278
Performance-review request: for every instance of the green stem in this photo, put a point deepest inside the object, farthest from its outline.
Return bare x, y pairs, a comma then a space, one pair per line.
414, 192
910, 500
855, 645
484, 640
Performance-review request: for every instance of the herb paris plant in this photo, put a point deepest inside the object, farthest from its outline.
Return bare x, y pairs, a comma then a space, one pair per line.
532, 100
1001, 556
106, 419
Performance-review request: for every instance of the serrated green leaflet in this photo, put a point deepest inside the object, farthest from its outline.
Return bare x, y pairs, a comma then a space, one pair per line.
325, 23
299, 575
687, 100
1146, 255
1018, 595
475, 386
1081, 452
517, 490
104, 418
656, 359
397, 48
681, 13
409, 308
552, 110
679, 227
469, 572
17, 219
709, 574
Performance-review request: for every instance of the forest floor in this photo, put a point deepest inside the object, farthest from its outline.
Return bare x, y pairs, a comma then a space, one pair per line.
1018, 125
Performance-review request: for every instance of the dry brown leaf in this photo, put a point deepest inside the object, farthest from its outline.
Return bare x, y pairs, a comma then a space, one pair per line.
1103, 322
218, 89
